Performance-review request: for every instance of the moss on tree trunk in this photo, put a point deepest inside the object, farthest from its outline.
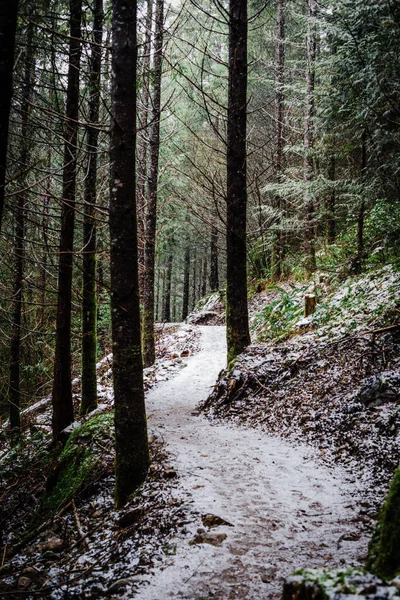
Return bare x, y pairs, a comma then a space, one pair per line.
384, 549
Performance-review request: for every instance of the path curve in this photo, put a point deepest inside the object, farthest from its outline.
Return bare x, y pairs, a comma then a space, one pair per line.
288, 511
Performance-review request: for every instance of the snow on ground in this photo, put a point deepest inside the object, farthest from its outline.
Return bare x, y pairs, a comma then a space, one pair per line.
282, 509
287, 511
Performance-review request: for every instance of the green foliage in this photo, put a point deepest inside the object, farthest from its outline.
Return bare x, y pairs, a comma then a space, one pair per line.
359, 301
384, 549
383, 233
277, 319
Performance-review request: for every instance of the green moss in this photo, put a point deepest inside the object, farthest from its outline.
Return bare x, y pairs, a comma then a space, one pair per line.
384, 549
329, 582
79, 461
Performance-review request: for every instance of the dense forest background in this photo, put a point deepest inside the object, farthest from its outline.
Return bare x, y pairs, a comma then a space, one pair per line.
323, 106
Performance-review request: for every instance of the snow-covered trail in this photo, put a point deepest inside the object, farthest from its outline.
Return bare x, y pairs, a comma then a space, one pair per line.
288, 511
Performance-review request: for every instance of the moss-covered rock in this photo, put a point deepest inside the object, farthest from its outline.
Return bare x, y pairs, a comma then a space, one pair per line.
384, 549
79, 462
348, 584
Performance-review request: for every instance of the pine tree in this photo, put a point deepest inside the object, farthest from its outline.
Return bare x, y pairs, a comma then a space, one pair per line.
237, 321
131, 443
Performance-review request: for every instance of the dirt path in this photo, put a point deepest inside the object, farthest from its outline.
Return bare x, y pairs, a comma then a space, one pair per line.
288, 511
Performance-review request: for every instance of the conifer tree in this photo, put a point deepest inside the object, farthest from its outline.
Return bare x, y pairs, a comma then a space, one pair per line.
237, 321
131, 443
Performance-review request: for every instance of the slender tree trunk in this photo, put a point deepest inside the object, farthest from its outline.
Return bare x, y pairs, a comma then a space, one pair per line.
186, 282
15, 347
8, 27
332, 202
237, 321
277, 243
214, 275
158, 293
131, 442
152, 187
19, 244
203, 289
309, 133
167, 290
63, 412
361, 210
142, 159
89, 299
194, 280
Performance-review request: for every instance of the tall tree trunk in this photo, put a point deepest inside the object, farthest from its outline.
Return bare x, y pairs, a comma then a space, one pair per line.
89, 299
186, 282
19, 244
142, 159
167, 290
63, 413
194, 280
214, 274
332, 202
361, 209
152, 188
277, 244
8, 26
158, 294
237, 321
131, 441
203, 289
309, 133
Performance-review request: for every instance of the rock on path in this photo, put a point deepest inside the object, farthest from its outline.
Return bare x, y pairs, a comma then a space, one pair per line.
288, 511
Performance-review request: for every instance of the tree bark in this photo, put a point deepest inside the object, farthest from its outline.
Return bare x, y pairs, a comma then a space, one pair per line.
89, 297
361, 211
277, 242
167, 290
131, 442
194, 280
203, 289
63, 413
19, 244
309, 133
152, 187
186, 282
237, 322
332, 202
8, 27
143, 144
214, 274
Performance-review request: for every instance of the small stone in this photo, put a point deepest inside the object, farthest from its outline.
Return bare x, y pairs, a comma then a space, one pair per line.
184, 353
214, 521
215, 539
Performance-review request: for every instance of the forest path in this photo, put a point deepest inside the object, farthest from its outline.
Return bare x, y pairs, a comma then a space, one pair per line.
288, 511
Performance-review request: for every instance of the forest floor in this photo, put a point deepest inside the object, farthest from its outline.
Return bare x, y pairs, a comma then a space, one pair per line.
285, 469
228, 512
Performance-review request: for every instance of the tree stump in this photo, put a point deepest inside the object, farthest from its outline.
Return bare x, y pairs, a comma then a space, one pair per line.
310, 302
